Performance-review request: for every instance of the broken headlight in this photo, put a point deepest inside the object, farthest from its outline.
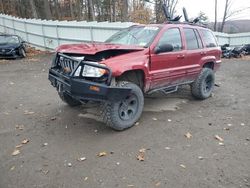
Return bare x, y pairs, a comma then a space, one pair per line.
95, 72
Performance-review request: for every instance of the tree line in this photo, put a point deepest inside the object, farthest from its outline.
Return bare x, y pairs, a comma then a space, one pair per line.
139, 11
143, 11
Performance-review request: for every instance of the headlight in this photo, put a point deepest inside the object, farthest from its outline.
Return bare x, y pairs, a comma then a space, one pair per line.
89, 71
53, 62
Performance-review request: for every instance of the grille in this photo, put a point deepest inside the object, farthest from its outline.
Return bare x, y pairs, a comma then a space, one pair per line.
66, 63
5, 50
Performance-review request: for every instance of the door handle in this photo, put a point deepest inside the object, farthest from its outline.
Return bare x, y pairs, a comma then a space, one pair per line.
181, 56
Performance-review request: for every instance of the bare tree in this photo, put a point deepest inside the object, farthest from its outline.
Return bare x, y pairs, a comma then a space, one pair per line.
1, 4
33, 9
91, 11
47, 9
215, 15
124, 10
229, 13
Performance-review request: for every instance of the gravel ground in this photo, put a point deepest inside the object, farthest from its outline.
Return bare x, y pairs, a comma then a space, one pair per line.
55, 136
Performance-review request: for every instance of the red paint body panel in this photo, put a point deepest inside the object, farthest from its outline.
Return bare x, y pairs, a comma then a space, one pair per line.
93, 48
160, 70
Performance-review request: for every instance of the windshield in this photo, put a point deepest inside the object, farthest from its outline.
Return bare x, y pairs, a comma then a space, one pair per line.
136, 35
9, 39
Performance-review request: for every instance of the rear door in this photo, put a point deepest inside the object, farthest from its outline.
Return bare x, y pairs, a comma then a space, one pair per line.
166, 67
194, 53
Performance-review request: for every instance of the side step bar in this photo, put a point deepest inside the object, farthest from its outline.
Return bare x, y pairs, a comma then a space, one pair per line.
169, 90
165, 90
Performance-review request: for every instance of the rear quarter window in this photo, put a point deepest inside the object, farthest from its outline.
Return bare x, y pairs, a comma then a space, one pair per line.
208, 38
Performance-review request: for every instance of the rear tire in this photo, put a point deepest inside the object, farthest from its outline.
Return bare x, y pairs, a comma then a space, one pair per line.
68, 99
124, 114
203, 86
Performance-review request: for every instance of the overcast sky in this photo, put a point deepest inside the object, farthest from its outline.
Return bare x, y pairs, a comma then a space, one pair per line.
207, 6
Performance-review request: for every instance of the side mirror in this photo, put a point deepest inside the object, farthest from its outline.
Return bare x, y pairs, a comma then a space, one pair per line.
164, 48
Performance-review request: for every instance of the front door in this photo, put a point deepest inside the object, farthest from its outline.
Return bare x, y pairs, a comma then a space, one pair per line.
166, 67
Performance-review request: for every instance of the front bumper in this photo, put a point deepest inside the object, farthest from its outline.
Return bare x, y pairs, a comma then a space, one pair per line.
8, 54
82, 89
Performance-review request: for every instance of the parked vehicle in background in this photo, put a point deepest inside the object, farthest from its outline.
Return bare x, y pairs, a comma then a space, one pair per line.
11, 46
236, 52
142, 59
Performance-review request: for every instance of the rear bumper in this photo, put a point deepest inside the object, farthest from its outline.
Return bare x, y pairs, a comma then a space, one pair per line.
81, 89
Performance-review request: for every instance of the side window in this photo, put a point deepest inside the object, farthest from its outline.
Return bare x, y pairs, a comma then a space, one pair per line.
172, 36
191, 39
208, 38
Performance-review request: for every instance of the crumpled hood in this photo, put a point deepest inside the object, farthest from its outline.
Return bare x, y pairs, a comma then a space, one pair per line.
93, 48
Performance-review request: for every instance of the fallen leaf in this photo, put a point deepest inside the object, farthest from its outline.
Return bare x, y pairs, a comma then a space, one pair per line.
25, 141
158, 184
86, 178
221, 144
69, 165
15, 152
101, 154
45, 144
137, 123
45, 171
183, 166
26, 112
12, 168
18, 146
155, 119
143, 150
141, 156
188, 135
200, 157
217, 137
226, 128
53, 118
20, 127
81, 159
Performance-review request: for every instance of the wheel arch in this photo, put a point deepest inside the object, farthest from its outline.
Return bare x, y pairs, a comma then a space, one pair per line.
136, 76
209, 64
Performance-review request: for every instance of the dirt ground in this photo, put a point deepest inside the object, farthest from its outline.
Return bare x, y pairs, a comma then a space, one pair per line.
60, 144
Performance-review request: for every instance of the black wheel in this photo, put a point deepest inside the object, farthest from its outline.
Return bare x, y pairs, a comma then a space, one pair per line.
22, 52
68, 99
203, 86
124, 114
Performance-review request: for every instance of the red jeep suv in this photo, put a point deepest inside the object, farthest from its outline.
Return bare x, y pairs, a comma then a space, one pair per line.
139, 60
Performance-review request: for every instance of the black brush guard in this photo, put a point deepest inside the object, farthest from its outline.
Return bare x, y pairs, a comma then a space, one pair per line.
81, 88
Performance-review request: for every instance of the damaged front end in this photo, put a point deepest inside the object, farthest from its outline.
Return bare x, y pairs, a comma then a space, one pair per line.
83, 79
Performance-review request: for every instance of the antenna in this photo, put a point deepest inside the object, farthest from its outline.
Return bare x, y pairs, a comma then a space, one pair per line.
185, 14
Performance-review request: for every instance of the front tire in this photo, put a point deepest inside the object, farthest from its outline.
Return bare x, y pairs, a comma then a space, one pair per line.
124, 114
68, 99
203, 86
22, 52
